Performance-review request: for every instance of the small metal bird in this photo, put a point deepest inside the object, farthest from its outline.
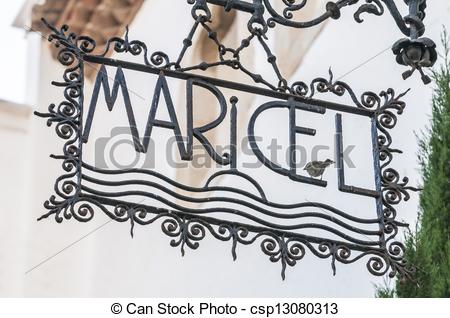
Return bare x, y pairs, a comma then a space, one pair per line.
317, 168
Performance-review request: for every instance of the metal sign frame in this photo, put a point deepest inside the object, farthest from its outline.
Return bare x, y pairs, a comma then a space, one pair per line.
188, 227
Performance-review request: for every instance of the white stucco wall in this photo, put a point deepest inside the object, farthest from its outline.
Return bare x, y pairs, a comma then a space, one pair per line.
15, 170
100, 259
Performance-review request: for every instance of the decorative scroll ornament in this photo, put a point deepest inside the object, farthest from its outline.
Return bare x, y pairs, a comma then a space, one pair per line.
80, 191
413, 51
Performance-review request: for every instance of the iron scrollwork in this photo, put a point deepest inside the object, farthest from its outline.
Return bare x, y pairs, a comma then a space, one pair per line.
413, 51
76, 195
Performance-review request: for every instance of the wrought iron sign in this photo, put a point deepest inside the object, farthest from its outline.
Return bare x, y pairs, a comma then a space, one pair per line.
232, 214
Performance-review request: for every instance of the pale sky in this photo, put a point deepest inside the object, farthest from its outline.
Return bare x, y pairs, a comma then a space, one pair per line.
12, 54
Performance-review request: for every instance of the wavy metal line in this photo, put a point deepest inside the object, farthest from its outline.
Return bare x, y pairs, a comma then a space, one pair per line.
242, 192
235, 212
234, 201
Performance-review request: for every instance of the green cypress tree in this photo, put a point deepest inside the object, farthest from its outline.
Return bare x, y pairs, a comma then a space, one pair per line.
428, 248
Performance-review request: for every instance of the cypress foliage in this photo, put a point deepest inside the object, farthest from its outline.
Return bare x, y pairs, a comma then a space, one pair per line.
428, 247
